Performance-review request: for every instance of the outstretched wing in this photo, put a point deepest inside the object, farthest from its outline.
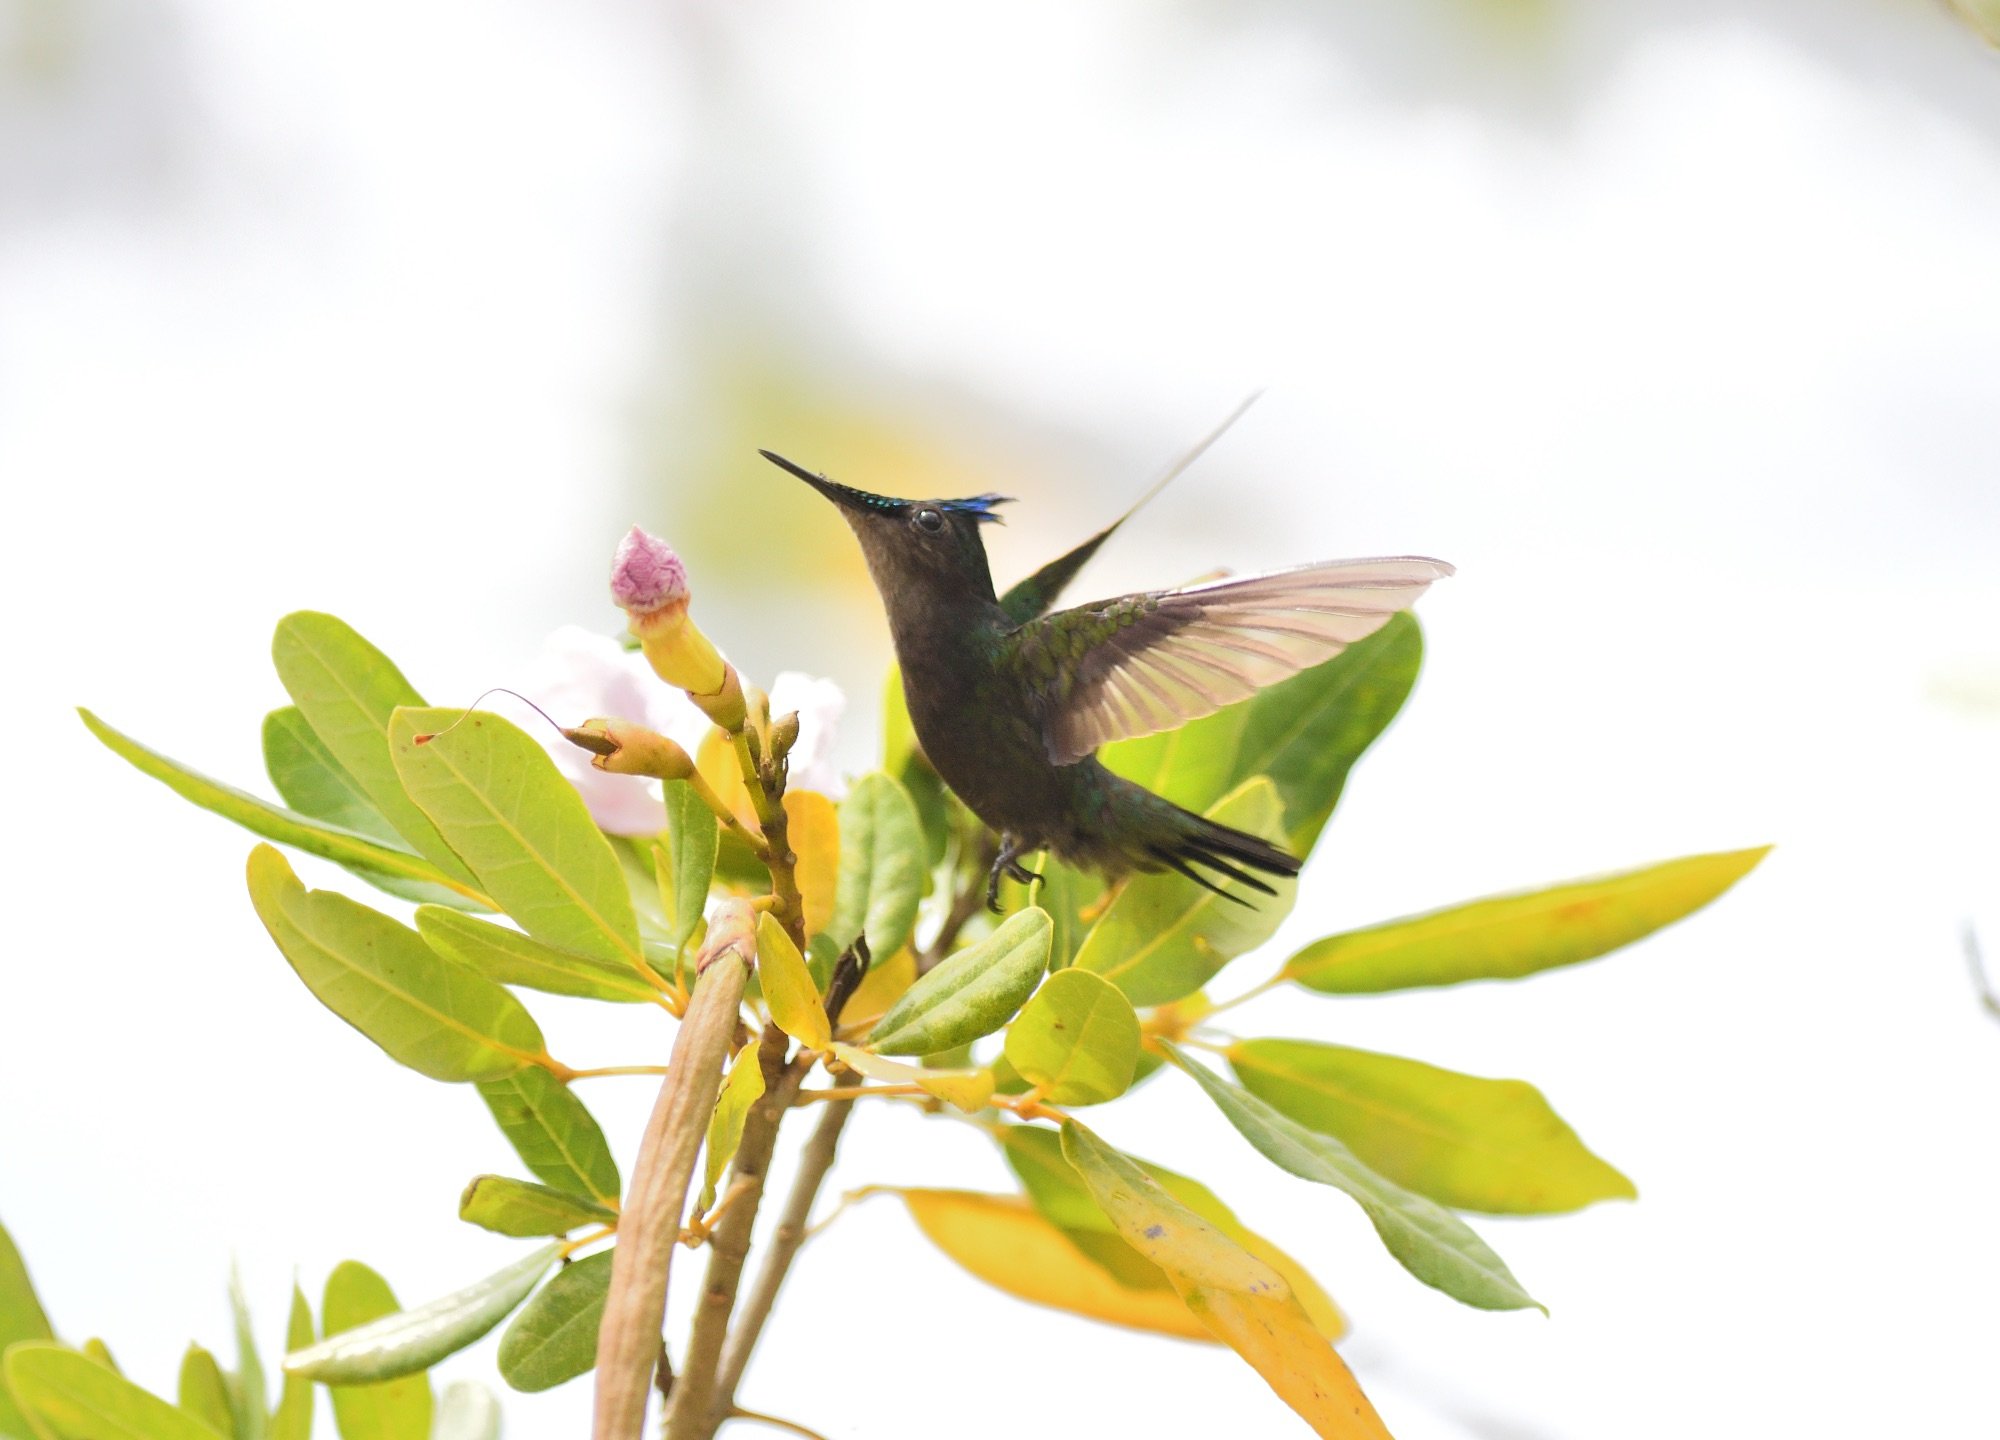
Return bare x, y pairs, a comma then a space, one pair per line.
1033, 596
1154, 661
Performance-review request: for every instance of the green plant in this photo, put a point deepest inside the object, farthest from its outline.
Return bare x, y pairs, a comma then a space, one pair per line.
788, 935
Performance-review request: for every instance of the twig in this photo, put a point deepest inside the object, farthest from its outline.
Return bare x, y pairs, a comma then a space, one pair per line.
628, 1339
814, 1161
729, 1241
737, 1412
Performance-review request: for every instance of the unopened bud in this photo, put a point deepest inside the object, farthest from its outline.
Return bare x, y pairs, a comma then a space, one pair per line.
725, 705
650, 584
622, 748
784, 734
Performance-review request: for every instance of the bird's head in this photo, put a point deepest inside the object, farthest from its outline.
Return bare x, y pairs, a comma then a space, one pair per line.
913, 547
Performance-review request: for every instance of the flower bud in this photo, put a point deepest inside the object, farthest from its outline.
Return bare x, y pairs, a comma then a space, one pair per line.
623, 748
649, 582
784, 733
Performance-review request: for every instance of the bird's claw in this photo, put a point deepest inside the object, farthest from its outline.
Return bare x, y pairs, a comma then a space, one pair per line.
1006, 865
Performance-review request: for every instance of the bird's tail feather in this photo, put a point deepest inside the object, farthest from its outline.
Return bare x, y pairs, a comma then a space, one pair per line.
1193, 841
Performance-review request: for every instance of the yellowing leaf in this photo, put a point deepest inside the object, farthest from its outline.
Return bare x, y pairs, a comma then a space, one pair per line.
788, 986
880, 988
741, 1090
1077, 1037
1296, 1361
1002, 1240
813, 824
1035, 1155
1508, 936
1242, 1301
969, 1090
715, 758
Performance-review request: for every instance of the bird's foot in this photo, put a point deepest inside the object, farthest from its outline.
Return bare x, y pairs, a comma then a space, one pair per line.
1007, 863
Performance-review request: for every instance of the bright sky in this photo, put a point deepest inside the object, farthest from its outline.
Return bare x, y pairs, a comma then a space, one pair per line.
1678, 330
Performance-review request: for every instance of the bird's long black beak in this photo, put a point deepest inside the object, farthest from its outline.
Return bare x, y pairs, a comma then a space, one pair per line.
845, 496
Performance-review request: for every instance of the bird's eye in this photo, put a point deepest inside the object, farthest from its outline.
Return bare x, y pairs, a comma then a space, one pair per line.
929, 519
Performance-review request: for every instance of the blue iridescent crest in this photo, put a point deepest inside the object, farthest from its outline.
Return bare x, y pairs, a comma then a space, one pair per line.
979, 507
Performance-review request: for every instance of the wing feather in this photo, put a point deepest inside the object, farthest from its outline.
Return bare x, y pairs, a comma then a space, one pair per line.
1154, 661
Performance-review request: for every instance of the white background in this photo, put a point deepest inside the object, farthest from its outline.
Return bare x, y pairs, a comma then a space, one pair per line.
1676, 327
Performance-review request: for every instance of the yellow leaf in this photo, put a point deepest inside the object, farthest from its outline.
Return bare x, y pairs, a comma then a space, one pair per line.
743, 1088
1294, 1358
882, 987
969, 1090
1003, 1241
1242, 1300
715, 758
814, 827
788, 986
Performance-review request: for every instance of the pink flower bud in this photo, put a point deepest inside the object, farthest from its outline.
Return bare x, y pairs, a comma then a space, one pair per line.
646, 574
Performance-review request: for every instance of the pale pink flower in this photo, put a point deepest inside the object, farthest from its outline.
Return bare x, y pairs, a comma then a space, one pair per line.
580, 675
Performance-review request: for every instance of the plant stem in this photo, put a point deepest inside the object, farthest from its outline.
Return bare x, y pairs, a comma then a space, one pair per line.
649, 1224
814, 1161
729, 1242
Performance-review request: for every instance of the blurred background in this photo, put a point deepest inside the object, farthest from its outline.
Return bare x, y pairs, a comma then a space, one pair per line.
1676, 326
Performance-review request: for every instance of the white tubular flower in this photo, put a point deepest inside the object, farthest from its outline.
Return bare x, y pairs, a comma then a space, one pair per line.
820, 704
580, 674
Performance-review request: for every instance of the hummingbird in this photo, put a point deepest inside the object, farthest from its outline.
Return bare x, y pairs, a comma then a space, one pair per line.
1011, 701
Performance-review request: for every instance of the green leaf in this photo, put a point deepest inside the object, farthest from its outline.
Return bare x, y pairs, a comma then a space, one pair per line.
741, 1090
553, 1133
311, 781
1307, 732
523, 1208
466, 1411
1067, 893
1472, 1144
508, 957
73, 1397
410, 1341
21, 1318
395, 1409
438, 1018
273, 822
692, 836
98, 1353
1165, 937
973, 993
882, 869
1078, 1038
1194, 766
794, 1000
904, 761
554, 1338
294, 1416
249, 1400
1429, 1241
1509, 936
499, 799
204, 1394
347, 690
